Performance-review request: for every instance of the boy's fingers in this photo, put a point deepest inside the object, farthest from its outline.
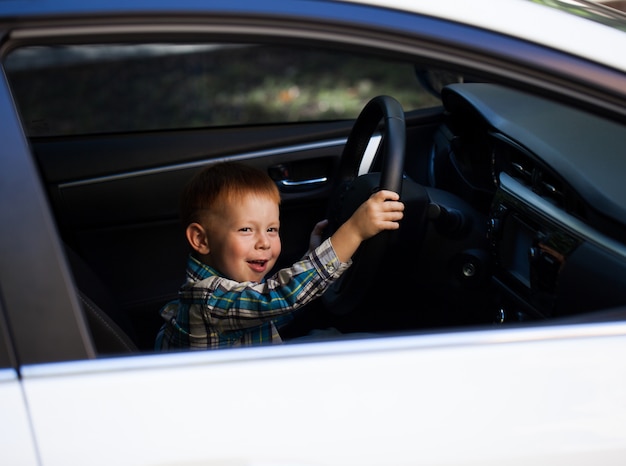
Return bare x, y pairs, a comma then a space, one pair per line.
387, 195
393, 206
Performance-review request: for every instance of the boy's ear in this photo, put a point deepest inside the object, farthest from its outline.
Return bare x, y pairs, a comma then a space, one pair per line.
197, 237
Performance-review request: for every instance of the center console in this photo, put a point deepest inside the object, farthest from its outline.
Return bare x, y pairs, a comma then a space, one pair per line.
530, 252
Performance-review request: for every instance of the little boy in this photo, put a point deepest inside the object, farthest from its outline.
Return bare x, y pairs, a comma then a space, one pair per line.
231, 213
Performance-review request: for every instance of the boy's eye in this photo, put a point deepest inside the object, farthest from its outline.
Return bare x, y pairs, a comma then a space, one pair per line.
246, 229
272, 230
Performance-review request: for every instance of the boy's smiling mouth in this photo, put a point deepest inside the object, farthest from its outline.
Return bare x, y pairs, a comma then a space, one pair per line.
258, 265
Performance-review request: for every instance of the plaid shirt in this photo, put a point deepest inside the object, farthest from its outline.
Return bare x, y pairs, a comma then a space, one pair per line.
215, 312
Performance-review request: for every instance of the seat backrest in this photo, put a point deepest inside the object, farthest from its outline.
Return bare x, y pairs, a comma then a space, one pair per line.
110, 328
108, 337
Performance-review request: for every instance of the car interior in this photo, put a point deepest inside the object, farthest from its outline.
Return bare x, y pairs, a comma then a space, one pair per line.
512, 216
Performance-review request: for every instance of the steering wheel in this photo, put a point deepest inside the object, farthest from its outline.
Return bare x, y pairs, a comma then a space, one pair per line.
352, 190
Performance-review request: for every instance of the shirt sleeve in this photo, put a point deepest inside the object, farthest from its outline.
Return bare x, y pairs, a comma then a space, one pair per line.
227, 305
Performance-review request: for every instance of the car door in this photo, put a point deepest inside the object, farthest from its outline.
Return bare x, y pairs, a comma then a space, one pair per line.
33, 275
507, 396
17, 445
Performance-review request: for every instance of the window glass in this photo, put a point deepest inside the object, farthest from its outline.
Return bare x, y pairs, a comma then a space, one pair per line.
64, 90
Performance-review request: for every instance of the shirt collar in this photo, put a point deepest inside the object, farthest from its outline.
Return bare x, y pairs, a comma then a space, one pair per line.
198, 270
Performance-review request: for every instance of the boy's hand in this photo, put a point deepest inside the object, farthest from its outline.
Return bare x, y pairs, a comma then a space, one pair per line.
382, 211
316, 235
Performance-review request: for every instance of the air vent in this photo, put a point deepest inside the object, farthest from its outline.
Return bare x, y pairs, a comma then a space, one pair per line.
548, 186
522, 171
516, 161
526, 169
520, 167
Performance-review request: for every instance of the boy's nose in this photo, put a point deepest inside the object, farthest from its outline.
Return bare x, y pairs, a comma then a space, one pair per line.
263, 241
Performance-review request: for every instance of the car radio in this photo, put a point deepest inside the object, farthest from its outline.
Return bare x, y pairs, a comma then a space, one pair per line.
530, 252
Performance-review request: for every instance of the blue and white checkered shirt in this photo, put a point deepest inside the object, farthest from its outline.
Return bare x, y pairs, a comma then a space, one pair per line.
215, 312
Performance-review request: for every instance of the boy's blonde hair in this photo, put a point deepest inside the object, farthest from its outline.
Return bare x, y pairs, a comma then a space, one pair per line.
220, 183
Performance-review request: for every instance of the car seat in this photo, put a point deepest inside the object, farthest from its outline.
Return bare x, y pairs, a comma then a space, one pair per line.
111, 330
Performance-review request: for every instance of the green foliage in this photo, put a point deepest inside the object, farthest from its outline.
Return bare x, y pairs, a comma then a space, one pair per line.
218, 86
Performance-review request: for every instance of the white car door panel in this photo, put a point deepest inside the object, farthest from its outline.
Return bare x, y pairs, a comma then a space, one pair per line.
415, 400
16, 440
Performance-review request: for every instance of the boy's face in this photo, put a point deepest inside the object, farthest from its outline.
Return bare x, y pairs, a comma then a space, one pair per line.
243, 238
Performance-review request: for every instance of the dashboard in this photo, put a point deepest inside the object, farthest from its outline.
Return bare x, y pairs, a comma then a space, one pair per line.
550, 181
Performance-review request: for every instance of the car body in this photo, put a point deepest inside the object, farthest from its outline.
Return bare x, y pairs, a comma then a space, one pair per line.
490, 330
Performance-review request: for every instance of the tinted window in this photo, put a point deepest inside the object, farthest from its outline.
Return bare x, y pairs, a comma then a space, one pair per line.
63, 90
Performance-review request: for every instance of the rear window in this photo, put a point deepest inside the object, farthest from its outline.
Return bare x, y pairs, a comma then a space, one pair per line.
87, 89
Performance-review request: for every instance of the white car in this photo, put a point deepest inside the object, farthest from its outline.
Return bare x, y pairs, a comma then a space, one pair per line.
488, 330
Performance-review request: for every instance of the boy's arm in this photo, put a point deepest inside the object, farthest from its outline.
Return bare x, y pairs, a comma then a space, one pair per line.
231, 305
